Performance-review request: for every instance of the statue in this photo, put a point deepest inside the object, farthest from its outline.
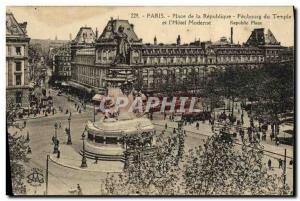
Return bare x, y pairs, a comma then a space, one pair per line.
123, 46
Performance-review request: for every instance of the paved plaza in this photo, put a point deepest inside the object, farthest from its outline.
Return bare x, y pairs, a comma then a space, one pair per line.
65, 172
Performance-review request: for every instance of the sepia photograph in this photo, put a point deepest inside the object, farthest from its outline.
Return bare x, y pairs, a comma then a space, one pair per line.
150, 101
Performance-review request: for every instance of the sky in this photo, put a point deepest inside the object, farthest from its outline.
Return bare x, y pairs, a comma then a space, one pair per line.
48, 22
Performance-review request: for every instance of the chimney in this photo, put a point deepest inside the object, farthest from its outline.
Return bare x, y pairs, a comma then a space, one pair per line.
96, 33
155, 40
132, 26
178, 40
231, 35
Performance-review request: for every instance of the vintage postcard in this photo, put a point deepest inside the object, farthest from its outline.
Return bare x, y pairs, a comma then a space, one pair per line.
150, 101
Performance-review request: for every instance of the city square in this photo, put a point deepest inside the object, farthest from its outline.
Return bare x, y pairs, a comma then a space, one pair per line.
70, 133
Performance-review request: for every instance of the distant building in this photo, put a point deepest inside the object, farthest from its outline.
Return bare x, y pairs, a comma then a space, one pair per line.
62, 63
158, 67
17, 74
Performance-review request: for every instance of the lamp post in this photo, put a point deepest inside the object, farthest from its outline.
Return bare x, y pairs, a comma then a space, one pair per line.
55, 127
69, 131
55, 150
94, 111
83, 161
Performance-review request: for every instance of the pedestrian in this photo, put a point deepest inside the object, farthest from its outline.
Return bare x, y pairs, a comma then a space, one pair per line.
58, 154
280, 163
174, 130
264, 137
59, 125
258, 136
27, 137
166, 126
270, 164
197, 125
277, 142
242, 134
271, 137
79, 190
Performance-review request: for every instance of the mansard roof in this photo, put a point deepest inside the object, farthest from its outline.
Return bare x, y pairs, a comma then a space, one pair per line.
113, 26
85, 35
13, 28
259, 37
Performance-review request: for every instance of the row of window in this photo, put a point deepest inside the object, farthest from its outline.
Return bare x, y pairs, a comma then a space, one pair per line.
240, 59
179, 71
64, 58
173, 60
87, 75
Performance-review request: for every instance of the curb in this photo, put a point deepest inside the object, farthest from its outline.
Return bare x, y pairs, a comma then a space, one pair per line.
78, 168
34, 118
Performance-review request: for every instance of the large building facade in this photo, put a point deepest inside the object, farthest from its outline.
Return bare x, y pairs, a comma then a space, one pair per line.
119, 56
17, 75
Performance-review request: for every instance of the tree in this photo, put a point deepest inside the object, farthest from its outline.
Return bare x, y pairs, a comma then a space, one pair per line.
18, 147
211, 92
221, 168
154, 172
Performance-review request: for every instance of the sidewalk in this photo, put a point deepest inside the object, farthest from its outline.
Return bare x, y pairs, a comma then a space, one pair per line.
69, 158
205, 129
76, 100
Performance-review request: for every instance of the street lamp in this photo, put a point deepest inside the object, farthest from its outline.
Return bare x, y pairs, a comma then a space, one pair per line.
69, 131
94, 111
83, 161
55, 150
55, 127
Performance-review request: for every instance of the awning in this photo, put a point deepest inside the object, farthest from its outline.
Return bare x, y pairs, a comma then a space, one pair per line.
97, 97
79, 86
